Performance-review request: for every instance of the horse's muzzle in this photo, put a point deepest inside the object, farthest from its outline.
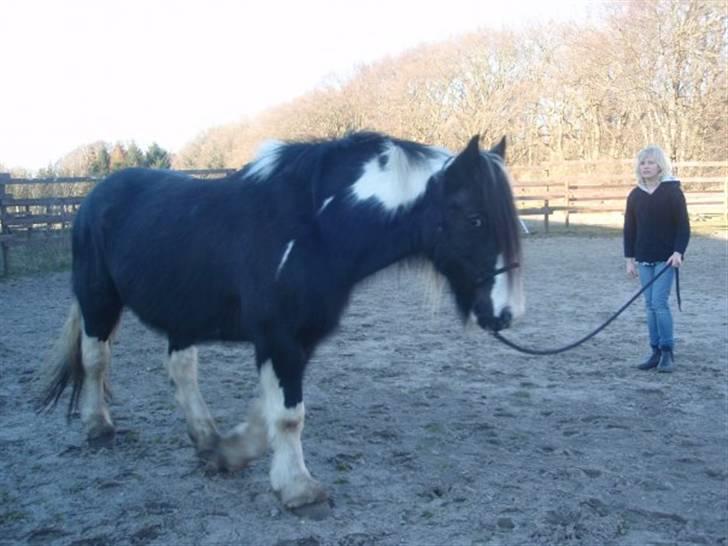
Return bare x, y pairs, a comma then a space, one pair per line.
494, 323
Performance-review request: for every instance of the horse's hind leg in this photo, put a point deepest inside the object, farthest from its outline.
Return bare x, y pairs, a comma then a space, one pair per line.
101, 308
96, 358
100, 311
182, 368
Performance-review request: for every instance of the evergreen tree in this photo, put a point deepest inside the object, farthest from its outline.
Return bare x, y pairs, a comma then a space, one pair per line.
99, 162
157, 157
134, 156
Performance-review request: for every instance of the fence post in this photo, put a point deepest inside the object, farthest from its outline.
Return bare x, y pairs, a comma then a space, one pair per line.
4, 179
567, 203
725, 202
546, 214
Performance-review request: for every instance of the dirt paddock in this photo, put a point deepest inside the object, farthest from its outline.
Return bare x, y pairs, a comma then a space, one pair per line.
424, 433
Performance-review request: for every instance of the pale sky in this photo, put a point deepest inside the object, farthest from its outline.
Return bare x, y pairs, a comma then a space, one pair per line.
77, 71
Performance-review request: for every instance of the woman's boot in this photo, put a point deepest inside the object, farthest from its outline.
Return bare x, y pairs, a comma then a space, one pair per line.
667, 361
652, 361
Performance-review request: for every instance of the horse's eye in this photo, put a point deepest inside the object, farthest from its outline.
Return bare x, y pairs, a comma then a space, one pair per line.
475, 221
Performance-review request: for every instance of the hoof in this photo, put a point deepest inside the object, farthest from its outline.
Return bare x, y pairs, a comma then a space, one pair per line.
239, 448
317, 511
211, 462
101, 436
207, 449
222, 459
310, 492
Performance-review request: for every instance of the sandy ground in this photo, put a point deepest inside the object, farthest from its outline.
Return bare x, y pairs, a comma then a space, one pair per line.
425, 433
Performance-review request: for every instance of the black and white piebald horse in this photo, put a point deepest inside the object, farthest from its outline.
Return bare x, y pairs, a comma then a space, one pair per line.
270, 255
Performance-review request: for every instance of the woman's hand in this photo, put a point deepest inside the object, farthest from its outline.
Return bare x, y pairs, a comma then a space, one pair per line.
631, 268
675, 260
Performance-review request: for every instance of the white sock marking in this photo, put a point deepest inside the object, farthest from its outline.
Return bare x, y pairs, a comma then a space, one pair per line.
96, 357
288, 471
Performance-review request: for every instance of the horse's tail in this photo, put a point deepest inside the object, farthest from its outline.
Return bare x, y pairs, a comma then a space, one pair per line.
64, 365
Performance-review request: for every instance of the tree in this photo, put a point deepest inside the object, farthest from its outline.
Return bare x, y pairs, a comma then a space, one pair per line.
157, 158
47, 172
134, 156
117, 157
98, 160
643, 71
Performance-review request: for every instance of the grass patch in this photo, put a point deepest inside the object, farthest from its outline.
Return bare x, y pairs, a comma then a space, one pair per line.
39, 253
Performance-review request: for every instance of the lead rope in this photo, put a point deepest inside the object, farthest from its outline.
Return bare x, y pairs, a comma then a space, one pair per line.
537, 352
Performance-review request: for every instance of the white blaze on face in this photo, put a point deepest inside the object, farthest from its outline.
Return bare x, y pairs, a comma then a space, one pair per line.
399, 182
500, 293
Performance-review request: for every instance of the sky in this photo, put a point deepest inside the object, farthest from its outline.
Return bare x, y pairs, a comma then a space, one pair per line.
73, 72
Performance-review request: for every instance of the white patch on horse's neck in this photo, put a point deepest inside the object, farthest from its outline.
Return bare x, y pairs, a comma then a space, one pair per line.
266, 160
400, 182
325, 204
284, 258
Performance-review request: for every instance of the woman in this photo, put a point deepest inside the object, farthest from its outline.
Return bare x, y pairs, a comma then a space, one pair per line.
656, 233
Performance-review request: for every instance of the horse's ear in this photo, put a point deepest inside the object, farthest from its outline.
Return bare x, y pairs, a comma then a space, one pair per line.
469, 154
473, 147
462, 166
500, 148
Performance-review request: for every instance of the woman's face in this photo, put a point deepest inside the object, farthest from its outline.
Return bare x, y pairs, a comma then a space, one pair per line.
649, 169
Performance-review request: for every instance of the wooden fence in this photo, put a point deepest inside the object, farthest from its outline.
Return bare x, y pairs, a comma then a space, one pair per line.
34, 206
34, 209
598, 187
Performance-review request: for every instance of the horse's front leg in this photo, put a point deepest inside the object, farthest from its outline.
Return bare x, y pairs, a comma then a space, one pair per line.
182, 368
282, 402
246, 442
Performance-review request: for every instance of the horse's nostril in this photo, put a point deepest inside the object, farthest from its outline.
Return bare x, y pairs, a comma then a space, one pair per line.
504, 321
506, 315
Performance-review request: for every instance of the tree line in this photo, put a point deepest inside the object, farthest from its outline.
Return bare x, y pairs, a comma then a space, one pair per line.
645, 71
641, 72
101, 159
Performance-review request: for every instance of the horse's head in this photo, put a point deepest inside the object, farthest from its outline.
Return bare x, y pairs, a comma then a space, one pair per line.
474, 236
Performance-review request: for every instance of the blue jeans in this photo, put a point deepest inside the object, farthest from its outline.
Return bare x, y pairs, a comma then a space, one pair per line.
659, 316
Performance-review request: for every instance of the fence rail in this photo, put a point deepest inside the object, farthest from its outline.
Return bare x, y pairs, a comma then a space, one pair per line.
48, 205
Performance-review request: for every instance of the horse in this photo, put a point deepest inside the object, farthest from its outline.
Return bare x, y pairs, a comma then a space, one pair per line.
270, 255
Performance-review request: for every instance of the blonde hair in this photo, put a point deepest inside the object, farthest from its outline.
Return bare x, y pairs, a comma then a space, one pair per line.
656, 153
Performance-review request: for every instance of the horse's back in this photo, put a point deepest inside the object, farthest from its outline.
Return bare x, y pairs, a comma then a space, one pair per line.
167, 246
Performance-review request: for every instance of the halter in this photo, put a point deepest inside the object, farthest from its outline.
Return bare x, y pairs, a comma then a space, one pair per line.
504, 269
486, 277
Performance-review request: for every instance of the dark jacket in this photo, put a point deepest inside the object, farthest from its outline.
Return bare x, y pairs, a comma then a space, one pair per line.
656, 224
